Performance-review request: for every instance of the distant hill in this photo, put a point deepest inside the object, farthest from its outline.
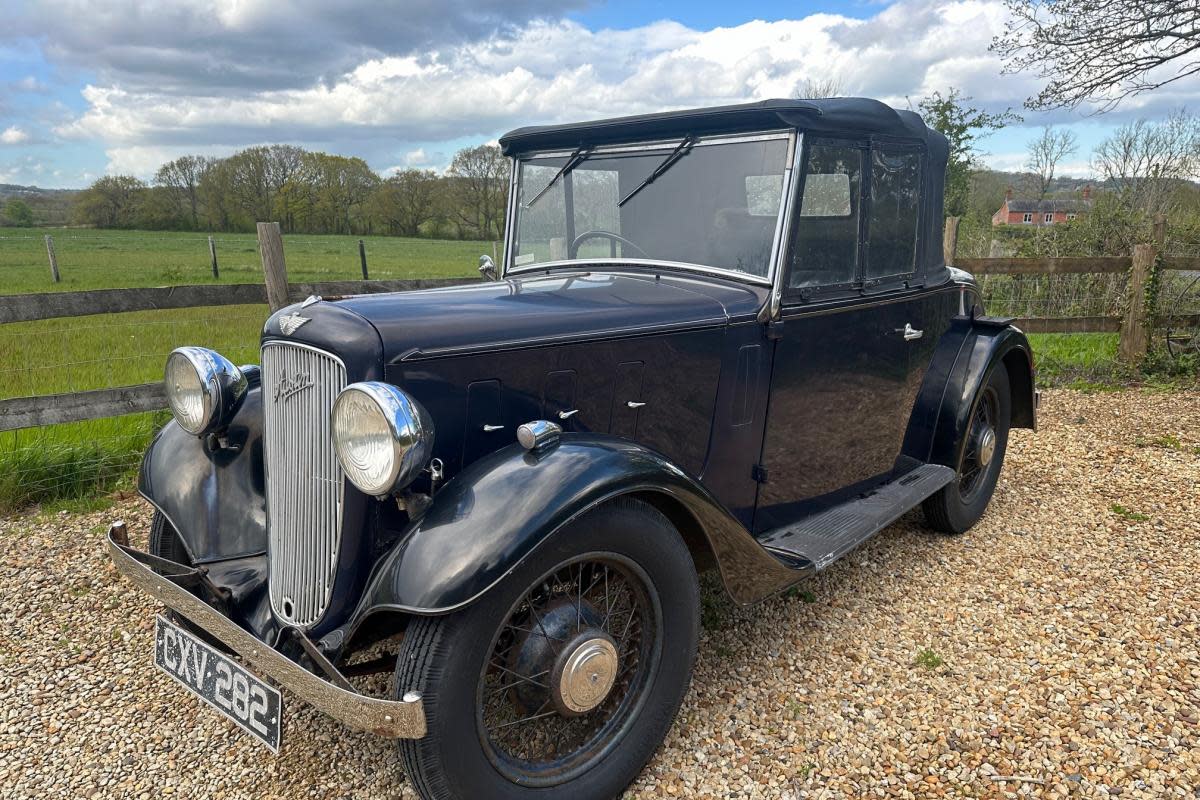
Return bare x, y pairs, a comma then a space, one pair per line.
50, 206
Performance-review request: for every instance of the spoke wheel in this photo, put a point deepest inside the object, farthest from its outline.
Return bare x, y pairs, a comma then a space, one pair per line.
960, 504
563, 678
568, 668
980, 447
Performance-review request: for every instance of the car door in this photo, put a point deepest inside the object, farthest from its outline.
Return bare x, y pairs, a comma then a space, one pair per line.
836, 417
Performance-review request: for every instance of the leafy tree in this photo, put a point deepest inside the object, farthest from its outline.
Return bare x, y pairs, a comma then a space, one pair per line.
406, 201
1100, 50
479, 178
1046, 152
18, 212
216, 197
341, 187
963, 125
181, 180
110, 202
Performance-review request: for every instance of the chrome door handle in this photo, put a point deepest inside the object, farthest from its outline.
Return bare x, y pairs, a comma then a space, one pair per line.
492, 428
634, 404
910, 332
568, 414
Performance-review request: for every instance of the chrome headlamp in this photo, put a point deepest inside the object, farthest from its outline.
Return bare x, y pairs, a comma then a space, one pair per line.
383, 438
203, 388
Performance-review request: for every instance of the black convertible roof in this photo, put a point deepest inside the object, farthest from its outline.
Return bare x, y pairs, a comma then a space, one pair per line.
833, 115
855, 116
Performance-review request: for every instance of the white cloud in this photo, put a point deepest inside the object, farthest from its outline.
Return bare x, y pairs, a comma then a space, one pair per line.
13, 135
384, 105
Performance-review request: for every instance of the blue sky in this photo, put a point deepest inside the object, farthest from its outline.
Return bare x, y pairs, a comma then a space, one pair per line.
89, 87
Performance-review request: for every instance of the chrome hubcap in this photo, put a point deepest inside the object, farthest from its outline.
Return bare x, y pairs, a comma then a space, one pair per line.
585, 673
987, 446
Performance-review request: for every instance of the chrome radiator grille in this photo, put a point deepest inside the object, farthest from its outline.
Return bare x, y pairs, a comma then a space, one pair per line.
304, 481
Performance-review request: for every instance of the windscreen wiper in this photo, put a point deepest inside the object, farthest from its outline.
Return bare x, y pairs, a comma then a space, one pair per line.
571, 163
679, 152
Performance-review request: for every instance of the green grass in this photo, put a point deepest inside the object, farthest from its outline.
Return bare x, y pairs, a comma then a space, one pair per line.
102, 259
1126, 513
929, 659
78, 462
1066, 357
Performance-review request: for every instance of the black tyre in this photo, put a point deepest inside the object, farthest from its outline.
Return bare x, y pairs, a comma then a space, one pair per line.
563, 681
962, 502
165, 542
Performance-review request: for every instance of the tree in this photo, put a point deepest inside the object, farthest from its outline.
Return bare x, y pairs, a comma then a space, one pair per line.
1100, 50
340, 189
18, 212
406, 201
181, 179
1145, 162
256, 176
479, 178
110, 202
962, 124
215, 193
814, 88
1046, 152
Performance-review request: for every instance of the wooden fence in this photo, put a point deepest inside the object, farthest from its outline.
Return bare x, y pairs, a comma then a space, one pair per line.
1133, 325
27, 412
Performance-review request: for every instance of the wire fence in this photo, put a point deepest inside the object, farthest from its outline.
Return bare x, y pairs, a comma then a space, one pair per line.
94, 259
76, 354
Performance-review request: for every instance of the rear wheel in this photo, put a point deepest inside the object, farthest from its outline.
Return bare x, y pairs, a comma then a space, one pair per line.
565, 679
961, 503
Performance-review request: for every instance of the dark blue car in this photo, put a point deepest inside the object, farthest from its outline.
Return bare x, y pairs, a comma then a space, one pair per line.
722, 338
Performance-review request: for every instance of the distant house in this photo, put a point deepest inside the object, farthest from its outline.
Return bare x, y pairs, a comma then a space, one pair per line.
1051, 211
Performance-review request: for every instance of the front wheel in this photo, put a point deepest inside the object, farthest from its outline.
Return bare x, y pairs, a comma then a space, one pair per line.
565, 679
960, 504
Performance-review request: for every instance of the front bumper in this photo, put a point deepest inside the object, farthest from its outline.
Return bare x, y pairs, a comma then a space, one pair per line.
396, 719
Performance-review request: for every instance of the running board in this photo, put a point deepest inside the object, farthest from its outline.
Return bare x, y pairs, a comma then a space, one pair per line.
821, 539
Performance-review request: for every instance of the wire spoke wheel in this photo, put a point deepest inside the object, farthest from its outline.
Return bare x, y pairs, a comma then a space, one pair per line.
980, 446
568, 669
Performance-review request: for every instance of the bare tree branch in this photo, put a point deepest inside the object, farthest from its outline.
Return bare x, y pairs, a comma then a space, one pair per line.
1045, 154
1100, 51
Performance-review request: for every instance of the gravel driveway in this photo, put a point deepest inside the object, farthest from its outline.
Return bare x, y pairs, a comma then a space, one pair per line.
1055, 643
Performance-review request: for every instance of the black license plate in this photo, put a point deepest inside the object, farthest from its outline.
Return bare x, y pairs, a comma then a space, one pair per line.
221, 682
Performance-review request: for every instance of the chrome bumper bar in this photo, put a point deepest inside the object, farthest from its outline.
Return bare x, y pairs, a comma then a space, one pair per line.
395, 719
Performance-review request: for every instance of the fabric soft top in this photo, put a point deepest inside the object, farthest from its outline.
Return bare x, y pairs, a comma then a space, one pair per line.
853, 116
840, 114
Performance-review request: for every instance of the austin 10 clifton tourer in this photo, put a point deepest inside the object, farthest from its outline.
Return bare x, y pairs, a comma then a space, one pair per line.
723, 338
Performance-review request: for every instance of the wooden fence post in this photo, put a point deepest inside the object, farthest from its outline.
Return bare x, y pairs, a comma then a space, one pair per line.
1135, 334
362, 257
212, 256
270, 248
1160, 233
950, 241
53, 259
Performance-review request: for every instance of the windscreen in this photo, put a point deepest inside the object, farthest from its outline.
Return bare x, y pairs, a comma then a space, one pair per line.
704, 203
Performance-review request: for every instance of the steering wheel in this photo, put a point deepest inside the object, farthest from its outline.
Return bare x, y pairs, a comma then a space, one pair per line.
573, 250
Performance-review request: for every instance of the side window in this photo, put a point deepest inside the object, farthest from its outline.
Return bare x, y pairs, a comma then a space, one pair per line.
825, 243
895, 203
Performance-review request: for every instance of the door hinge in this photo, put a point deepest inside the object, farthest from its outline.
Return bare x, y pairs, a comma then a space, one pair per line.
775, 330
759, 473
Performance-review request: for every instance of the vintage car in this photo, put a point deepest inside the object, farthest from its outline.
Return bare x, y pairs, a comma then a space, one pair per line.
720, 338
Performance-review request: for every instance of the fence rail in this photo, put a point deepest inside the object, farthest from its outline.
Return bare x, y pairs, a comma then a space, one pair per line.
26, 412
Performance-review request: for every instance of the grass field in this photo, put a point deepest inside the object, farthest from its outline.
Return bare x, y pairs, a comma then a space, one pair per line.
98, 259
80, 353
81, 459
